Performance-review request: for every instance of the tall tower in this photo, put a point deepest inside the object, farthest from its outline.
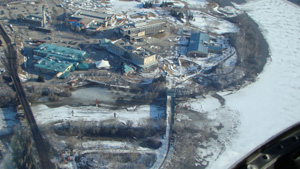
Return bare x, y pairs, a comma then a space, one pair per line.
44, 16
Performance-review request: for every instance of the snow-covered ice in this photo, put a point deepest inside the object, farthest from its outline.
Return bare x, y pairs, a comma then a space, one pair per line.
45, 114
203, 105
210, 23
271, 104
197, 3
117, 5
7, 120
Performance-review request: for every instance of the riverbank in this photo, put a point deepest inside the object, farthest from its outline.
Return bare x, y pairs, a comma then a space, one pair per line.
270, 104
224, 3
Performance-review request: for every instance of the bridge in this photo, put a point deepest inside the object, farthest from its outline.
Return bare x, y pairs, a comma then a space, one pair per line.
43, 148
166, 143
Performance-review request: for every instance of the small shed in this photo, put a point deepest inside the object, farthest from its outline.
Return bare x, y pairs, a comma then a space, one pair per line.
82, 66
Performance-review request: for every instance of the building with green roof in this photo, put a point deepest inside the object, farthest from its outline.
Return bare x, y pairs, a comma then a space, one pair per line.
127, 69
52, 65
82, 66
60, 52
59, 60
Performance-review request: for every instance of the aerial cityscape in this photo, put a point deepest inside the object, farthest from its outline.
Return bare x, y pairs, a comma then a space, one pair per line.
208, 84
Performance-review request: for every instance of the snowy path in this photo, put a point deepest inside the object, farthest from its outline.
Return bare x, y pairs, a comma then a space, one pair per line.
163, 151
118, 151
272, 103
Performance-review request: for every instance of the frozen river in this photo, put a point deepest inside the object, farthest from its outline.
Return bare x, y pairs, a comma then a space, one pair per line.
272, 103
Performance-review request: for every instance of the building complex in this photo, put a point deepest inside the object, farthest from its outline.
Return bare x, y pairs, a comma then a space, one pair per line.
139, 29
91, 22
59, 60
139, 56
37, 20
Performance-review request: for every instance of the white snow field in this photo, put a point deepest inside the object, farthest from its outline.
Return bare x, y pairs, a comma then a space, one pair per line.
272, 103
45, 114
7, 120
207, 22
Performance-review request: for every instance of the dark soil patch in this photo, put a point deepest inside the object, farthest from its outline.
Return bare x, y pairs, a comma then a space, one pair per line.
151, 143
252, 48
252, 52
111, 129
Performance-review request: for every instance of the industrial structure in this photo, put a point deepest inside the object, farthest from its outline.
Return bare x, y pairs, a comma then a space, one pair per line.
44, 16
139, 56
32, 19
91, 22
200, 46
143, 57
59, 60
138, 30
37, 20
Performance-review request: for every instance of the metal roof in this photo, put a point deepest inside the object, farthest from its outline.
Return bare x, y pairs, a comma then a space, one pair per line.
197, 42
53, 64
59, 59
88, 17
104, 41
82, 66
142, 52
141, 24
83, 13
61, 52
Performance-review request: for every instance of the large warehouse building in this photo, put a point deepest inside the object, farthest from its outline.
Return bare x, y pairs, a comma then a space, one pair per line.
59, 60
91, 22
141, 28
200, 46
138, 56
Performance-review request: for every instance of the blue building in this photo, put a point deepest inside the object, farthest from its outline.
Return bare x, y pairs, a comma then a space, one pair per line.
200, 46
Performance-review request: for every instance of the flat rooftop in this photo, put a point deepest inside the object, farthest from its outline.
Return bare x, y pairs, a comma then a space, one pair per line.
140, 24
90, 14
53, 64
144, 53
197, 42
34, 17
61, 52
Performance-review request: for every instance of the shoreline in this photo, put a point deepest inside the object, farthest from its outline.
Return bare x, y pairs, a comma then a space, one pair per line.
224, 3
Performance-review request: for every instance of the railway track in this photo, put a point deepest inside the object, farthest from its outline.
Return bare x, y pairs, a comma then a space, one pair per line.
42, 146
